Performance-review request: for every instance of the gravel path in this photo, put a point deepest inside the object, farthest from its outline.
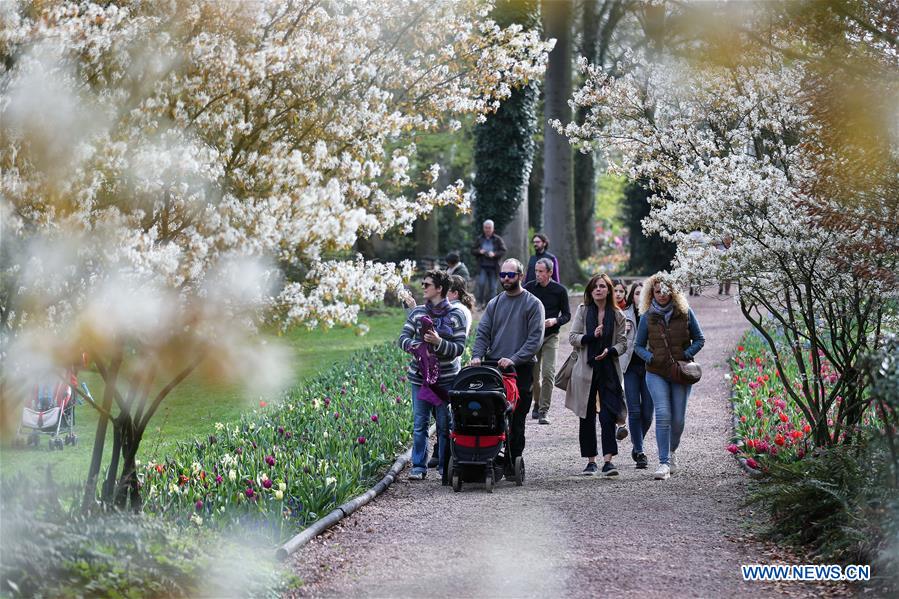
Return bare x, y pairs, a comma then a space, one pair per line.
562, 534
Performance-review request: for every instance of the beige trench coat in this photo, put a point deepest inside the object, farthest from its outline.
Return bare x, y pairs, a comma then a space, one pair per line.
581, 375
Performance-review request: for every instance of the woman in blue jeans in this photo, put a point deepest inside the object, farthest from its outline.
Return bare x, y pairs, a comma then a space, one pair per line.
636, 393
668, 330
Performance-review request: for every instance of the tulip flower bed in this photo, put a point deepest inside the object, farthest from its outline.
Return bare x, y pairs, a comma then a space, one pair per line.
284, 465
768, 423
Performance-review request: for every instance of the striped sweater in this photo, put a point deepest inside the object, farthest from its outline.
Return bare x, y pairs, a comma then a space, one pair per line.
448, 351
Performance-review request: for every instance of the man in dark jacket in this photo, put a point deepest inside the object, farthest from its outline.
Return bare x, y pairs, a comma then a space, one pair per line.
541, 245
489, 249
554, 298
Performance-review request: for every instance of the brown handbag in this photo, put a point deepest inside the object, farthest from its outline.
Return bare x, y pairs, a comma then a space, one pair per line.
682, 372
563, 376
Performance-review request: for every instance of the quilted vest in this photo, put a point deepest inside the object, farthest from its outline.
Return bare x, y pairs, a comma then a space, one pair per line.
678, 339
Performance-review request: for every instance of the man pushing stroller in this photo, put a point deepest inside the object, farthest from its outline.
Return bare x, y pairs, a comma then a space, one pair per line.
510, 333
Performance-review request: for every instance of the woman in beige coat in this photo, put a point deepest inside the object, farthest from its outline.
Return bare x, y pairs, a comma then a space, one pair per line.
598, 335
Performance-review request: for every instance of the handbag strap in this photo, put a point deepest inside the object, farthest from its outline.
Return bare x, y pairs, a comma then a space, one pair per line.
665, 339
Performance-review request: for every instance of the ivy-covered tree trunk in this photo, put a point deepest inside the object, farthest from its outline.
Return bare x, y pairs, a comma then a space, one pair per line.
504, 148
558, 204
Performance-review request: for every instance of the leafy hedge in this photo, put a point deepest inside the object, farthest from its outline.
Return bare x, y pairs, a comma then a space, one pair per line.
283, 466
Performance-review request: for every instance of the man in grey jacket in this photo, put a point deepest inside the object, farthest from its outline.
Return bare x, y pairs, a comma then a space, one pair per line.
510, 333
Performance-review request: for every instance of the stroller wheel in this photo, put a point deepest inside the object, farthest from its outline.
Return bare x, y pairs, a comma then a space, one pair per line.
74, 439
489, 481
457, 482
519, 471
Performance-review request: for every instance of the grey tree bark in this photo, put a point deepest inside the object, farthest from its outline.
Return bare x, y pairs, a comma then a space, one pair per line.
558, 207
585, 164
516, 232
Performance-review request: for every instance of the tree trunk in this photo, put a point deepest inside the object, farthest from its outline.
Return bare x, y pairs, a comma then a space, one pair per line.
516, 232
427, 237
558, 207
109, 485
90, 486
585, 164
126, 489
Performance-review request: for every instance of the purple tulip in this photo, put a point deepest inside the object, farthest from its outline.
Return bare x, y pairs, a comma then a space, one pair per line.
267, 483
199, 505
249, 493
218, 479
270, 460
361, 440
374, 417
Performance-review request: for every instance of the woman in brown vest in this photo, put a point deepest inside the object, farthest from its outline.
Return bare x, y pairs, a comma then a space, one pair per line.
668, 330
598, 335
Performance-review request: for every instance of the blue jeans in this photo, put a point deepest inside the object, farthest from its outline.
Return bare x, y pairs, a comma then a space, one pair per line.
421, 419
670, 401
486, 287
639, 407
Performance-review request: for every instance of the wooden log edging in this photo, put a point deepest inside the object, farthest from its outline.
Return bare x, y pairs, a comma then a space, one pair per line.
342, 511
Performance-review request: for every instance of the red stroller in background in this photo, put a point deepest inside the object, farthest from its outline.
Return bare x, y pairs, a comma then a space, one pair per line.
50, 410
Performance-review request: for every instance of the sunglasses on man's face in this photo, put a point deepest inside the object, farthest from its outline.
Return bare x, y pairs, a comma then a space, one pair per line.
426, 284
508, 275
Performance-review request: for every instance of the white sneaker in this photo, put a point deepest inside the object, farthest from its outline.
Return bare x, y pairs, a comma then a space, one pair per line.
663, 472
672, 462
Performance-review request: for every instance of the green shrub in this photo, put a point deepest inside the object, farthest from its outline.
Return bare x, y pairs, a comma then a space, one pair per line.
47, 551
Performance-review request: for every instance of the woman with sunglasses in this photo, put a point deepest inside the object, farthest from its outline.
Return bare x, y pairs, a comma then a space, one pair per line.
598, 335
434, 331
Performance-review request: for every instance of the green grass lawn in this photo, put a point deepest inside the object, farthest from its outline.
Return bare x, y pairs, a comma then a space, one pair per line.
192, 409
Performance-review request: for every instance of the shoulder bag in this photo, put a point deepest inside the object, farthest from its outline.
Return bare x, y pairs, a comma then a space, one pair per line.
563, 376
682, 372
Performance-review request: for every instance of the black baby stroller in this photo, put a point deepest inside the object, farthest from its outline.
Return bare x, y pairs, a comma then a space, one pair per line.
51, 410
481, 423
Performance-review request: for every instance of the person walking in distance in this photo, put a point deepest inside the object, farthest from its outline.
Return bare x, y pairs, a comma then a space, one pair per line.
510, 333
668, 330
636, 393
434, 331
455, 267
598, 335
554, 298
541, 245
489, 249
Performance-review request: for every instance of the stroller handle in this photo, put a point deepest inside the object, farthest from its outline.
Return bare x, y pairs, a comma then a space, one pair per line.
495, 364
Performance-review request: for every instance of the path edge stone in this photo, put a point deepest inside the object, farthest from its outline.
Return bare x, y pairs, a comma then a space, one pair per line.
344, 510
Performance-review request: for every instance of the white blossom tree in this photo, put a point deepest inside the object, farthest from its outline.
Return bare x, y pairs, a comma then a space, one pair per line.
165, 164
737, 145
